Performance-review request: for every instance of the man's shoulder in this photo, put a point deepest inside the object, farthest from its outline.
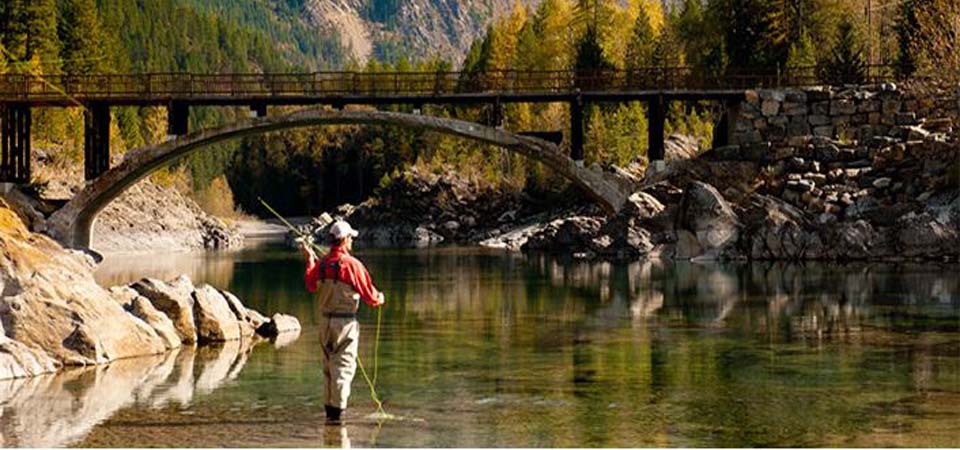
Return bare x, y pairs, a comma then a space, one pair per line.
350, 261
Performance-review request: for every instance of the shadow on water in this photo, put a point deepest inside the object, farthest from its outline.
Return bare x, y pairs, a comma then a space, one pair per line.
500, 350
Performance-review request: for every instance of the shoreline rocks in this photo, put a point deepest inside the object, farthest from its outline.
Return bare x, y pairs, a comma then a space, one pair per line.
53, 313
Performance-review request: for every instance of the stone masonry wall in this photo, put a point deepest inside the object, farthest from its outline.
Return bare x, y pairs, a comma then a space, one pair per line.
853, 113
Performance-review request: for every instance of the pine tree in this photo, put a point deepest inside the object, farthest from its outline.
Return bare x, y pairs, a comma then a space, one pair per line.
42, 41
83, 51
642, 42
845, 64
802, 59
693, 33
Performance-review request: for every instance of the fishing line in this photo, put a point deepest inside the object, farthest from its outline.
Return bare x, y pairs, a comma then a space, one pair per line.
380, 413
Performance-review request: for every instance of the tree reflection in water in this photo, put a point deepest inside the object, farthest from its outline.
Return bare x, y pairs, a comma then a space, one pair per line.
501, 350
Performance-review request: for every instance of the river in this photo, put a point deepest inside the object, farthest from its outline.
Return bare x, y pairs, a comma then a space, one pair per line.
483, 348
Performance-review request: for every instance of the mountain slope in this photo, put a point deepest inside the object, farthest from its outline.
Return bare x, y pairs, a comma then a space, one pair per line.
384, 29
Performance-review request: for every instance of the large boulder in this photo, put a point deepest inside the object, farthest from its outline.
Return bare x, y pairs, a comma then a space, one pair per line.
213, 317
778, 230
708, 216
141, 308
52, 302
174, 299
571, 234
18, 360
248, 319
933, 233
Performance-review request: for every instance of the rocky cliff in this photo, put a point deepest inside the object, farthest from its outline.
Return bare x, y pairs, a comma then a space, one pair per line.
422, 28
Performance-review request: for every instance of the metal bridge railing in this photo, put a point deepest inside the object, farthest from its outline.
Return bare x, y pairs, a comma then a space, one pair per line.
161, 86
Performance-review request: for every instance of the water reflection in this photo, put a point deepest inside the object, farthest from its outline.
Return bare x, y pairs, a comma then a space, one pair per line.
498, 350
59, 409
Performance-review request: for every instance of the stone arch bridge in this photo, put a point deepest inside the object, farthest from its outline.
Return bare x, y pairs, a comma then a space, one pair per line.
73, 223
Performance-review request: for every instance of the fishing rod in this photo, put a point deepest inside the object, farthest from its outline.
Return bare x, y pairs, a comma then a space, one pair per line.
376, 345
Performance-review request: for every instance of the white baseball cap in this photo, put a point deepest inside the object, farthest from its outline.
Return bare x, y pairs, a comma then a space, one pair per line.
341, 229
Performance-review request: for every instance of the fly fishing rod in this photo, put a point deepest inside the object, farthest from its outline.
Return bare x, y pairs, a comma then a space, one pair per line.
376, 345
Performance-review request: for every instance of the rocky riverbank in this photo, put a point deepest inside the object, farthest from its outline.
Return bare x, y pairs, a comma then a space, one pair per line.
146, 217
54, 314
816, 174
419, 209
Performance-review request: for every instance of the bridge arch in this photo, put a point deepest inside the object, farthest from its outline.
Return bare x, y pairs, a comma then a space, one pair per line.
73, 223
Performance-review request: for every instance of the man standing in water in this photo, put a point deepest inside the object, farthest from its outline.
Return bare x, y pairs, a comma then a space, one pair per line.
340, 281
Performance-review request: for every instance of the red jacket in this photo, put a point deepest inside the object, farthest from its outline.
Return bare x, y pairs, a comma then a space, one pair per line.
352, 272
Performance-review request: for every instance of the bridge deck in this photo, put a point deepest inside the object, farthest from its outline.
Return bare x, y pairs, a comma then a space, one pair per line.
393, 87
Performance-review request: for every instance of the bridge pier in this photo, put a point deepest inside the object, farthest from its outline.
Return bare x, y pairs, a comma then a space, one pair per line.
656, 122
727, 126
576, 129
15, 123
96, 140
259, 109
178, 117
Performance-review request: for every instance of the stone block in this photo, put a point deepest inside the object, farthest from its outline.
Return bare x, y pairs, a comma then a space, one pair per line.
770, 108
775, 95
907, 118
868, 106
818, 94
794, 109
873, 118
798, 128
820, 108
795, 96
826, 130
838, 121
842, 107
890, 106
818, 119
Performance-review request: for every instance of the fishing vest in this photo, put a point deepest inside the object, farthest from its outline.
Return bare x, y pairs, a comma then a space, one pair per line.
336, 297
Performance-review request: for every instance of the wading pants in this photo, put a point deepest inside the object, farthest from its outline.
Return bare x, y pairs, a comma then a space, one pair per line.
339, 338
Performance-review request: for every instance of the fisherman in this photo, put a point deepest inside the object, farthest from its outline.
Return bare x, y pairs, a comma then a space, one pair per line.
340, 280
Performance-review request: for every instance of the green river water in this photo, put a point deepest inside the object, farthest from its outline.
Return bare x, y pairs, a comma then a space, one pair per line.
484, 349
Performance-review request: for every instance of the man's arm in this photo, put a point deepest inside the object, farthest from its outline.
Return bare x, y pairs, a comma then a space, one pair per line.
362, 283
312, 275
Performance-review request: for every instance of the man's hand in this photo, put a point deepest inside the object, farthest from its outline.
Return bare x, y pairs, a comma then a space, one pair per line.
380, 300
307, 252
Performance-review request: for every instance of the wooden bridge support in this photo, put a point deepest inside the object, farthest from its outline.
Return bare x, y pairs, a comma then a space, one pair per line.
576, 129
727, 126
15, 122
259, 109
656, 121
96, 140
178, 118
